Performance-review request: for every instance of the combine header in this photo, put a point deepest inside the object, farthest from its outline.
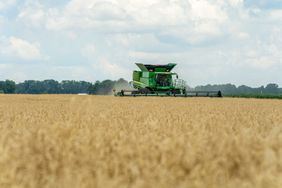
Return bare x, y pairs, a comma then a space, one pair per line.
158, 80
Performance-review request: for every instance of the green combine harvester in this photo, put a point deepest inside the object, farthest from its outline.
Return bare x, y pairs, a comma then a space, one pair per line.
158, 80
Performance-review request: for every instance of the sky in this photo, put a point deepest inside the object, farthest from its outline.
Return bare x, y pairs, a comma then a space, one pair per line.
212, 41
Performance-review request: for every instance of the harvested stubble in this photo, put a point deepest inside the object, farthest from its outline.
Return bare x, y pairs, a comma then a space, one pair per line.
86, 141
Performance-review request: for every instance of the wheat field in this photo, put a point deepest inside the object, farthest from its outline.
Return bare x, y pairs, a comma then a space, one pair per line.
62, 141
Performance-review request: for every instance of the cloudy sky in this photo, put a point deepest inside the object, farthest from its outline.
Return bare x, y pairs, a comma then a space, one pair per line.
213, 41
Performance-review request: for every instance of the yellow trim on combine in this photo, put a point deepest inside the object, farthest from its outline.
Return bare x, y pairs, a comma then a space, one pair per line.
139, 83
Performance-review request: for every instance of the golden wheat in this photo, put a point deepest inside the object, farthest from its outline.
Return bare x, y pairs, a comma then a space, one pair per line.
87, 141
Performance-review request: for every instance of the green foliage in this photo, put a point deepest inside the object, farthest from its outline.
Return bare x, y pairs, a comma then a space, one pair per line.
272, 88
52, 87
64, 87
74, 87
232, 90
7, 87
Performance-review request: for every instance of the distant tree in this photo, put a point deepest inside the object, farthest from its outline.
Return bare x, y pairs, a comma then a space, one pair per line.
74, 87
93, 88
244, 90
2, 86
10, 87
272, 88
30, 87
225, 88
230, 89
259, 90
51, 87
7, 87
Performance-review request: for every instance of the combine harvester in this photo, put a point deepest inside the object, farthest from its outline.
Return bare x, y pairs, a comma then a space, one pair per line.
158, 80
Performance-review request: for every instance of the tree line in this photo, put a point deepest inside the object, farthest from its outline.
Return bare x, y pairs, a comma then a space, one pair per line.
230, 89
106, 87
64, 87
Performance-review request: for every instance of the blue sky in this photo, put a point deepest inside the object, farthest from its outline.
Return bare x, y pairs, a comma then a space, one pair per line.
213, 41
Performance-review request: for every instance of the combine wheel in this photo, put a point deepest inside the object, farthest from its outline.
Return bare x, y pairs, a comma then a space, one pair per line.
135, 93
144, 91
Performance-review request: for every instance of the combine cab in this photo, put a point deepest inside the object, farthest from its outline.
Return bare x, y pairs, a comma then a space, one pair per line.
158, 80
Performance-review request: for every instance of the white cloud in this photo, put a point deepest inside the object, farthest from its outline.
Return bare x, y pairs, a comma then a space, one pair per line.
261, 62
20, 72
10, 71
32, 14
68, 72
276, 14
2, 22
3, 67
7, 4
205, 10
105, 37
243, 35
25, 49
71, 35
190, 20
235, 3
88, 51
101, 63
112, 70
204, 16
20, 48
